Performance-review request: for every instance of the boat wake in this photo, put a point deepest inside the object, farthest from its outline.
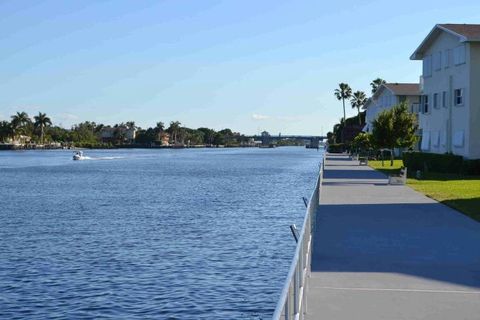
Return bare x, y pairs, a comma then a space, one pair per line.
103, 158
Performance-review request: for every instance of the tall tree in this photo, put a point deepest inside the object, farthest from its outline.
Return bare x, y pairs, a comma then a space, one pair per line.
208, 135
19, 122
405, 125
130, 124
382, 132
343, 92
174, 130
358, 100
160, 126
41, 122
394, 128
377, 83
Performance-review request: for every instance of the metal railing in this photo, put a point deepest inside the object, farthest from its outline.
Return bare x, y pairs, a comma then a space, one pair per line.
292, 301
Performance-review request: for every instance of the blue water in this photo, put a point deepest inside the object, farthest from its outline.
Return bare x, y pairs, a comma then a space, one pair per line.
149, 234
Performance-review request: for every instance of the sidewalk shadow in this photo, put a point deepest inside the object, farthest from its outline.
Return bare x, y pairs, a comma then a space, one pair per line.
427, 240
352, 174
470, 206
339, 158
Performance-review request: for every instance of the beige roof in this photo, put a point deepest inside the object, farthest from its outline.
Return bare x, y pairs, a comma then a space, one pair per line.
404, 89
398, 89
465, 33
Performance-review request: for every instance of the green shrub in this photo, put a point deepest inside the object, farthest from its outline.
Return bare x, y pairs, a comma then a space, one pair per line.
471, 167
446, 163
336, 148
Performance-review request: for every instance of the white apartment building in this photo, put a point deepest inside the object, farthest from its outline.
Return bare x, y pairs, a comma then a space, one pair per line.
450, 86
389, 95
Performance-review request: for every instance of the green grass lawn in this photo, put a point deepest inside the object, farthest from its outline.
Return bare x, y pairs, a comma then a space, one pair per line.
456, 191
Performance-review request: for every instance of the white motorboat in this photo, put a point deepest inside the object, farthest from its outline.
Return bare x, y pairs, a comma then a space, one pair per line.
79, 156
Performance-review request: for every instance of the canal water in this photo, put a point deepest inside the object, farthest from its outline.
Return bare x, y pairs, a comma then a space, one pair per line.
149, 234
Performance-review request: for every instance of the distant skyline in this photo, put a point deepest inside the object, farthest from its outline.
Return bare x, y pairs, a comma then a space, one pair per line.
245, 65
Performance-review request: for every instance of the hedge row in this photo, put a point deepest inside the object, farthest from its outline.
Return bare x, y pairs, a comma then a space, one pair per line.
445, 163
337, 148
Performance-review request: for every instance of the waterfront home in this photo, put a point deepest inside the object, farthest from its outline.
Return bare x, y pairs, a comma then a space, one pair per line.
389, 95
450, 83
164, 138
20, 140
121, 132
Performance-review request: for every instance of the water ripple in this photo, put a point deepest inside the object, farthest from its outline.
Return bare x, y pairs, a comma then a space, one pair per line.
152, 234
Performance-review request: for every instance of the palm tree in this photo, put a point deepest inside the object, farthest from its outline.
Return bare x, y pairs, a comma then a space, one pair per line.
174, 130
130, 124
358, 100
19, 121
377, 83
343, 92
160, 126
42, 121
158, 130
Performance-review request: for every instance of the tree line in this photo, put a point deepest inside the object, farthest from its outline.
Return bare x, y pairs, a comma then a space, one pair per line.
40, 130
357, 100
392, 128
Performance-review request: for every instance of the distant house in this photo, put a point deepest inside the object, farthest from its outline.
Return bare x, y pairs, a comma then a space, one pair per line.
389, 95
164, 138
20, 140
450, 88
130, 133
118, 133
107, 134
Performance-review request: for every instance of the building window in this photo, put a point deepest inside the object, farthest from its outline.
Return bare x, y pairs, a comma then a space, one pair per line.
458, 97
437, 61
435, 101
425, 104
427, 66
459, 55
444, 99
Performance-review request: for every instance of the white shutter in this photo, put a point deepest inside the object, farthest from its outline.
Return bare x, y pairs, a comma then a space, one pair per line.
427, 66
425, 140
458, 138
459, 55
437, 60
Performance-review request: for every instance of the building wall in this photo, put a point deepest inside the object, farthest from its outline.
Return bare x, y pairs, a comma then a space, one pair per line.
385, 101
440, 134
474, 146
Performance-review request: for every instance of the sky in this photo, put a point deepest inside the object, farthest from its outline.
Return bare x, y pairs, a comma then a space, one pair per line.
246, 65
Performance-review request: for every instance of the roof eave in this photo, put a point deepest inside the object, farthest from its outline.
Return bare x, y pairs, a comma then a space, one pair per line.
462, 37
417, 55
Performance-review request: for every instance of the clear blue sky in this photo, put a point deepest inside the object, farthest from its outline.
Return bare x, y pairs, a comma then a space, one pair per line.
247, 65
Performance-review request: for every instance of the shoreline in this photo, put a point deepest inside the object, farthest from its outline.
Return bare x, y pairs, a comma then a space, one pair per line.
4, 147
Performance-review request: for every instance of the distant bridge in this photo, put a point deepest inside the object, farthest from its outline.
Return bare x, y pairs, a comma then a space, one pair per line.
299, 137
267, 139
282, 137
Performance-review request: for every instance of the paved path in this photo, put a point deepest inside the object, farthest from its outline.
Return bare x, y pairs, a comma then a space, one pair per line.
388, 252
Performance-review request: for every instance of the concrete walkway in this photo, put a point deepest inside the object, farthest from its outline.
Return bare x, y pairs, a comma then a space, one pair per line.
389, 252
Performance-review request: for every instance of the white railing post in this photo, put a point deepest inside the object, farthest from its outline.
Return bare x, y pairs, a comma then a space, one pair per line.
287, 311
